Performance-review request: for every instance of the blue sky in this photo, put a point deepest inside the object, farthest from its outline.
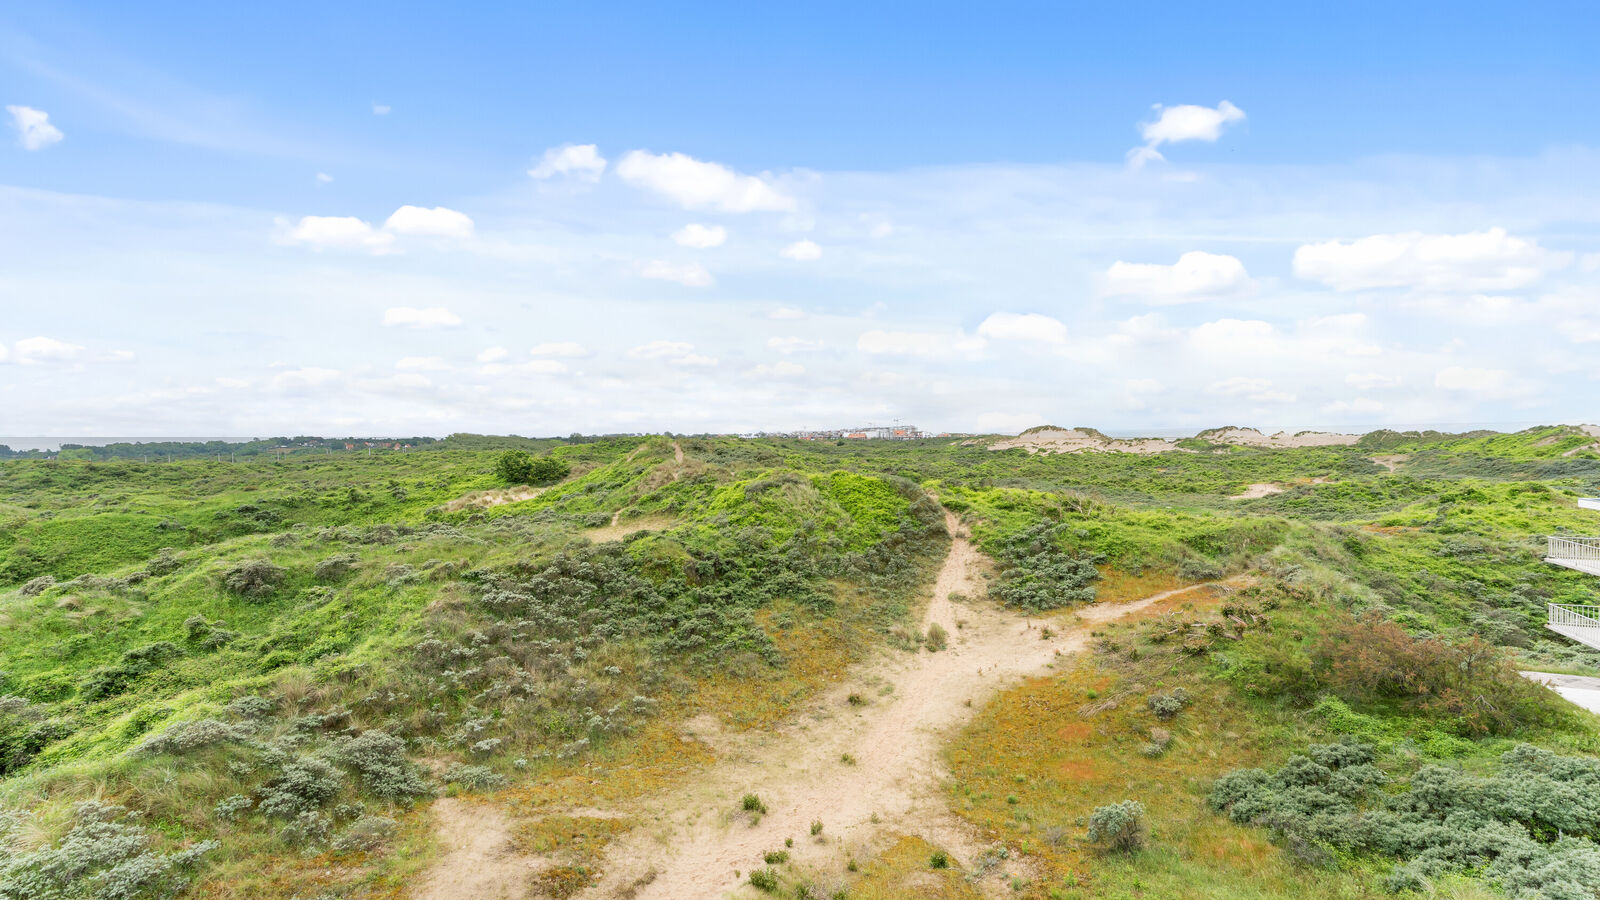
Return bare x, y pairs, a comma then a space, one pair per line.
320, 217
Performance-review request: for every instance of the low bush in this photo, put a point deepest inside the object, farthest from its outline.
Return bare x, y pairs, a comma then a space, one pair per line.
1119, 827
186, 736
474, 778
1167, 706
1471, 682
255, 578
335, 567
938, 638
1037, 573
1531, 826
303, 785
764, 879
104, 855
365, 835
379, 758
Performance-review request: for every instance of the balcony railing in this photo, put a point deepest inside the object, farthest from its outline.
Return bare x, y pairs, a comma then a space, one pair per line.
1580, 623
1573, 548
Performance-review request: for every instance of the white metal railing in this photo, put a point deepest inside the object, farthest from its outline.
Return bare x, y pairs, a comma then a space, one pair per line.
1573, 616
1573, 548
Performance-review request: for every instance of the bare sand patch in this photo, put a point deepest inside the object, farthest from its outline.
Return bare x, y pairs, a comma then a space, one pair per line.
477, 862
1079, 440
1050, 439
491, 498
619, 529
1258, 490
1250, 437
1391, 461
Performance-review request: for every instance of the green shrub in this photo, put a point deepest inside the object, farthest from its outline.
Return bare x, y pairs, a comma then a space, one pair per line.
776, 857
522, 467
752, 804
255, 578
939, 860
104, 856
1118, 827
365, 835
764, 879
186, 736
1168, 705
335, 567
380, 759
1530, 827
304, 784
938, 638
1037, 573
474, 778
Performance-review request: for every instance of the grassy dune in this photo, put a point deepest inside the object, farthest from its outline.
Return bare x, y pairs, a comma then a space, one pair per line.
249, 679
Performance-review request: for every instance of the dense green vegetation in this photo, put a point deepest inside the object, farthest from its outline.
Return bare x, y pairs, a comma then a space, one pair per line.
251, 670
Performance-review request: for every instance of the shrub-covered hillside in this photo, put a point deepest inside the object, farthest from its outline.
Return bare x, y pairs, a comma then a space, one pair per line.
250, 678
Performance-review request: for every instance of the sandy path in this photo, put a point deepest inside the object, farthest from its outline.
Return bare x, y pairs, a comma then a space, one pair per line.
1258, 490
677, 452
698, 845
476, 862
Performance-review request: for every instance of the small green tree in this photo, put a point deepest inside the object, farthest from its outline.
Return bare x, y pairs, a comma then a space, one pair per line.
548, 470
515, 467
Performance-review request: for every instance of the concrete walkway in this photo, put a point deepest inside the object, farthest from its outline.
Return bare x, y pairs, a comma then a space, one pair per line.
1579, 689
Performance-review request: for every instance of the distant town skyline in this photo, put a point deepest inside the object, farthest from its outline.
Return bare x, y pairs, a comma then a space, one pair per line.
716, 218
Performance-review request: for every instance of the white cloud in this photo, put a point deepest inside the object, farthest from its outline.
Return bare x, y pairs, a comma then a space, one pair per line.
5, 354
1007, 326
1581, 331
422, 364
1359, 406
780, 369
343, 232
381, 109
694, 184
37, 350
660, 350
801, 251
677, 353
1007, 423
581, 161
686, 274
792, 344
1175, 124
921, 344
530, 367
882, 229
1489, 260
558, 348
1257, 390
1143, 386
1196, 275
324, 178
435, 222
304, 379
701, 237
412, 317
492, 354
1485, 382
34, 131
786, 312
1233, 335
1366, 381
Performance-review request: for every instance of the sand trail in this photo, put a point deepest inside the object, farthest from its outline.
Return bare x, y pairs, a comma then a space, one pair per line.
696, 843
